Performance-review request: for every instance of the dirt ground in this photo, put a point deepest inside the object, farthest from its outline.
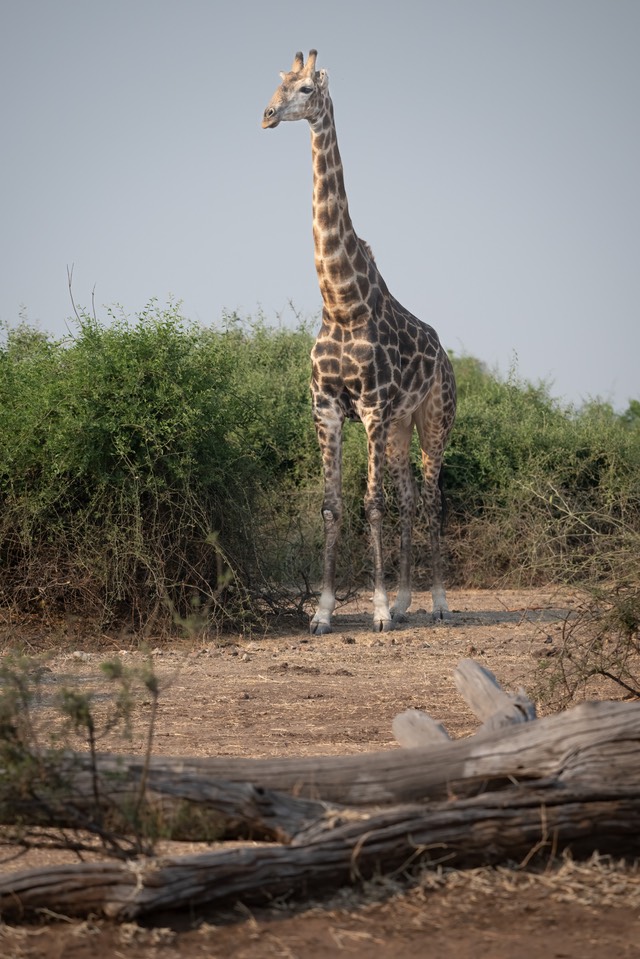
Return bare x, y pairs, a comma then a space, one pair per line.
293, 695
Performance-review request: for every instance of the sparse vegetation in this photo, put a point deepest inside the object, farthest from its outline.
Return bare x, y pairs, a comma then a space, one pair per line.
38, 803
540, 492
600, 641
157, 475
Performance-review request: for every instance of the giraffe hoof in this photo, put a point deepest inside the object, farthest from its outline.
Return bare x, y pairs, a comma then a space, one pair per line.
399, 617
319, 629
441, 616
383, 625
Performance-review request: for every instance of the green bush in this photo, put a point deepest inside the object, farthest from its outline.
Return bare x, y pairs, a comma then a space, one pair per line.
539, 492
129, 456
152, 471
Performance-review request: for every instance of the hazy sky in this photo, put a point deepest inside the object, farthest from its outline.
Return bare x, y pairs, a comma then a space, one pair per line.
491, 152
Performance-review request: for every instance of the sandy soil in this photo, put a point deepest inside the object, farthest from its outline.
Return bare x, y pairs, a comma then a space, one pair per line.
293, 694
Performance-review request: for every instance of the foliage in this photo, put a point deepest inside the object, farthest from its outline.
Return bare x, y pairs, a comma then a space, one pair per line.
157, 474
38, 802
540, 493
600, 641
129, 455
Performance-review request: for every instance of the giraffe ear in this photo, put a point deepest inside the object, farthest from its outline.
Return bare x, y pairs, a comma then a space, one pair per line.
323, 79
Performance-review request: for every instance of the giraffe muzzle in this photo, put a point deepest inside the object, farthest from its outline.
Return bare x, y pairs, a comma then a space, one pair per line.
270, 119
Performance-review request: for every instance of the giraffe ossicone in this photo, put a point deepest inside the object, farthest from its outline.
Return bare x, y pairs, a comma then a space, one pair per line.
373, 361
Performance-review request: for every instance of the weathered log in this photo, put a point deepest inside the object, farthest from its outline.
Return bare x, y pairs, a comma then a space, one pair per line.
186, 806
538, 819
601, 740
522, 752
482, 691
413, 728
533, 788
491, 704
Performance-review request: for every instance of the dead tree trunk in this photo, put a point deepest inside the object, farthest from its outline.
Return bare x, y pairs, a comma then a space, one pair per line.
553, 746
486, 829
509, 792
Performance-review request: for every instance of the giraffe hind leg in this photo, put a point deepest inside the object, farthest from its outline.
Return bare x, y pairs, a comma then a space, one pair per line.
440, 609
436, 527
433, 433
399, 465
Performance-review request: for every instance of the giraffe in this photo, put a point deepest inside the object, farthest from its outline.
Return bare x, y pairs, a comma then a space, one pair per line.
372, 361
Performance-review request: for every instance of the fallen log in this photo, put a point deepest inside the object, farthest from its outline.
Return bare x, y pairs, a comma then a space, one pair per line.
592, 743
184, 804
533, 750
520, 823
492, 705
530, 788
484, 694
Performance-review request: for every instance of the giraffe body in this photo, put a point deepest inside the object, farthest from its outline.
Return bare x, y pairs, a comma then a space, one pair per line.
372, 360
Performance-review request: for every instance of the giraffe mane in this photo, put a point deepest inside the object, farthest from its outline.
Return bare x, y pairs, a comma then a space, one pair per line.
368, 250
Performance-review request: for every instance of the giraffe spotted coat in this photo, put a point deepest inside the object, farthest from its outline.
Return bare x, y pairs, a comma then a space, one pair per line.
373, 360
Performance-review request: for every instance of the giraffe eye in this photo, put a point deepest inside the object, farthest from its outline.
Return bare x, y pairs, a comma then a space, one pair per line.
306, 89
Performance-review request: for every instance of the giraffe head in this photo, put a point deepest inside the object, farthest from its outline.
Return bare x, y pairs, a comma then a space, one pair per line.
300, 96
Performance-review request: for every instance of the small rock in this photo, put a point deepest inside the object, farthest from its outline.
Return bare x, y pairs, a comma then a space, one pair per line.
245, 658
545, 652
80, 655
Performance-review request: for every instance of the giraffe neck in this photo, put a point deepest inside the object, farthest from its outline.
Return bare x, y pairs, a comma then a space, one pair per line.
349, 280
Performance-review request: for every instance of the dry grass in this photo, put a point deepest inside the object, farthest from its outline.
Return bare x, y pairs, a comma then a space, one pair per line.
339, 694
600, 881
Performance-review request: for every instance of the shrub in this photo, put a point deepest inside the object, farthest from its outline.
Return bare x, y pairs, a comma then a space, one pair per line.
153, 472
599, 650
539, 492
129, 456
42, 796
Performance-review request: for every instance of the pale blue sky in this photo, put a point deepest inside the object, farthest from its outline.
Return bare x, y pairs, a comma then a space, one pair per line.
491, 152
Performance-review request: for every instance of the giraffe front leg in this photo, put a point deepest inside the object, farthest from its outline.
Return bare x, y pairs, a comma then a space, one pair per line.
382, 619
374, 510
329, 422
321, 621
